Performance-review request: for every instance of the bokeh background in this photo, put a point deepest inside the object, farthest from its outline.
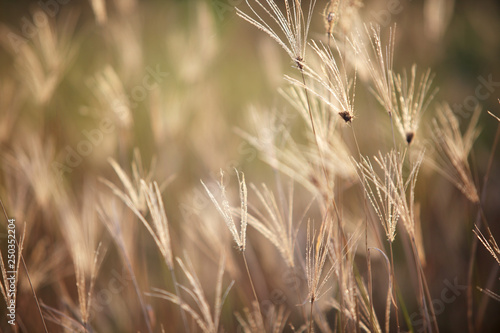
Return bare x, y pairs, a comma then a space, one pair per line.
177, 81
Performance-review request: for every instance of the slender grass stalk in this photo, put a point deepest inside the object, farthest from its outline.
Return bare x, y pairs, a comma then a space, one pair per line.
487, 295
425, 296
35, 297
317, 250
392, 130
370, 288
251, 282
116, 233
311, 318
346, 291
368, 253
227, 214
20, 249
394, 287
138, 292
320, 152
470, 271
177, 292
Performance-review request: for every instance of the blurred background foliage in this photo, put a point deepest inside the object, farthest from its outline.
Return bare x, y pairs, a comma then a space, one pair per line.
214, 67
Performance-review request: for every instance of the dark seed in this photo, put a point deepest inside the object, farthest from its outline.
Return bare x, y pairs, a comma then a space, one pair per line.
409, 137
346, 116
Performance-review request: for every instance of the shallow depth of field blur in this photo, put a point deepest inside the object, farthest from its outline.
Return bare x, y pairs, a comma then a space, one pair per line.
135, 134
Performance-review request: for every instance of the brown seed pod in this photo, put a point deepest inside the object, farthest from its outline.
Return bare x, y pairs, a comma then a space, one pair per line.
300, 62
346, 116
409, 137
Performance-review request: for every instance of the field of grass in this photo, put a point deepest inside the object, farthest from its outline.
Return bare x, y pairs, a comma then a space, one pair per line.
249, 166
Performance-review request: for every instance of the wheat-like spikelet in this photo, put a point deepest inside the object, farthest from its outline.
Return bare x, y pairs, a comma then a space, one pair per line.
293, 23
43, 61
328, 279
394, 193
316, 258
453, 148
405, 196
317, 252
400, 189
274, 224
278, 149
158, 227
377, 59
336, 156
411, 101
226, 211
302, 162
202, 315
81, 230
381, 191
333, 78
133, 191
351, 303
322, 114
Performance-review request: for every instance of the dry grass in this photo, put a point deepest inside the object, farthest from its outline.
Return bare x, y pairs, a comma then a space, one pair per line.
312, 215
